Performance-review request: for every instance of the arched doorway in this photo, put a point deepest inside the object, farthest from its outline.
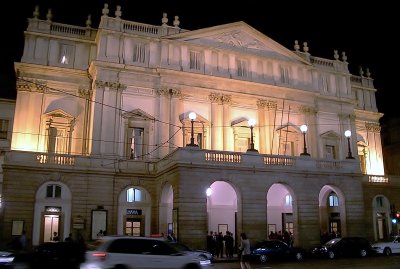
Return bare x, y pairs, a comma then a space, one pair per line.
222, 208
281, 219
134, 211
332, 212
166, 224
52, 212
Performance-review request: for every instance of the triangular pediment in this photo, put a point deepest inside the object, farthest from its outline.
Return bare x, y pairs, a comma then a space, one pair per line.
330, 135
59, 113
241, 37
137, 114
289, 127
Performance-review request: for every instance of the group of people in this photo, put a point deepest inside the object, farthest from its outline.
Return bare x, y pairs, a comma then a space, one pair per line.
217, 243
286, 237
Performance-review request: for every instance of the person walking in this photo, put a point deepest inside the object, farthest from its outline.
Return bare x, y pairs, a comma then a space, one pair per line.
244, 248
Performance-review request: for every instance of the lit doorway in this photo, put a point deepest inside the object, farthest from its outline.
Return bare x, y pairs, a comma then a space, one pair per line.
134, 226
51, 225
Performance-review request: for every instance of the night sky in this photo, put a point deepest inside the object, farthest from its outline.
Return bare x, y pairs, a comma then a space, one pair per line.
365, 32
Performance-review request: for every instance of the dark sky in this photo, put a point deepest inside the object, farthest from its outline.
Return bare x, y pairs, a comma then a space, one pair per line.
366, 32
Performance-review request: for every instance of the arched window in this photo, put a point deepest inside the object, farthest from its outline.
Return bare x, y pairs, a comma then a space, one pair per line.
53, 191
288, 200
333, 200
133, 195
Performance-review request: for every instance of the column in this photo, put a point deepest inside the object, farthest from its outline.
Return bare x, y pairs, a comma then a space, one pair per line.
217, 125
163, 124
375, 158
176, 135
96, 117
228, 132
261, 126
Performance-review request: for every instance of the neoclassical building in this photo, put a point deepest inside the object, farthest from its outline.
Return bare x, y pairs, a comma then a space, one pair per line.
143, 129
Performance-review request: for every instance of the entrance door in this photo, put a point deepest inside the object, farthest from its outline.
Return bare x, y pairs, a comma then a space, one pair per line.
51, 225
134, 226
381, 226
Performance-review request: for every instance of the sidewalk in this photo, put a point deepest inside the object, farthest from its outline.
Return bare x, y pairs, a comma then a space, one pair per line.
225, 259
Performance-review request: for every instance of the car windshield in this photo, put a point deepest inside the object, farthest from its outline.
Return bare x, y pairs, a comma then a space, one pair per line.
180, 246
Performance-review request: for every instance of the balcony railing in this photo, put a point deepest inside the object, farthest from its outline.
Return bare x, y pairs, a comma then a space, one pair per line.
187, 156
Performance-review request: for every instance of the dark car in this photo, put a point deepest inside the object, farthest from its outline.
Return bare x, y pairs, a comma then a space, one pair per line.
266, 250
57, 255
344, 247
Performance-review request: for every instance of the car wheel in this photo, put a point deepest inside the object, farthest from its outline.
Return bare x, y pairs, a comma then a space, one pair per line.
192, 266
120, 266
263, 258
387, 252
298, 256
363, 253
331, 254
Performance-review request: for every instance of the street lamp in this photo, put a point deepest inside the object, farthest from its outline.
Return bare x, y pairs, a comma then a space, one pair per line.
192, 117
252, 123
303, 129
348, 135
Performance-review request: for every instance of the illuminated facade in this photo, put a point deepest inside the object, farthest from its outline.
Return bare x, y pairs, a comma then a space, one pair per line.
103, 136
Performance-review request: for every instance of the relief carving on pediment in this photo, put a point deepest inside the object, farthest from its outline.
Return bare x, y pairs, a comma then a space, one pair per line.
238, 39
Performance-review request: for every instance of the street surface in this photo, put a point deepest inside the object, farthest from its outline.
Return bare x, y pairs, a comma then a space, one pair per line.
376, 262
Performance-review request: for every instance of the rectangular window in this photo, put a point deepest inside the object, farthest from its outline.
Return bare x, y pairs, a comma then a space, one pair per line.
324, 84
379, 201
65, 54
136, 143
3, 128
287, 148
330, 152
242, 69
53, 191
57, 140
139, 53
284, 75
195, 60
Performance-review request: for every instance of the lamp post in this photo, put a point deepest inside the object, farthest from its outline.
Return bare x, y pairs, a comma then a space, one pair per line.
252, 123
347, 134
192, 117
303, 129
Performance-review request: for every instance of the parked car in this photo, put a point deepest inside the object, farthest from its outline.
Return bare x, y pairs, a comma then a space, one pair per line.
344, 247
389, 247
266, 250
197, 252
67, 255
140, 252
14, 259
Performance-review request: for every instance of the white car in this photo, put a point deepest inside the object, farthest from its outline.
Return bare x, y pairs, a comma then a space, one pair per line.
389, 247
128, 252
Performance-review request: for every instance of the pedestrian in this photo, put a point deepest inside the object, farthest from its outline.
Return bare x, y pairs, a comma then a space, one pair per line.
56, 237
69, 238
244, 248
23, 241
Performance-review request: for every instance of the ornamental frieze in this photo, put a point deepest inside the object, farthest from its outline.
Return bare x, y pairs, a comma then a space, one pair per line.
31, 85
111, 85
373, 127
267, 104
214, 97
85, 93
226, 99
307, 110
168, 91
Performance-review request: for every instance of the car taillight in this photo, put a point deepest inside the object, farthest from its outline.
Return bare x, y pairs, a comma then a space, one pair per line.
100, 255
